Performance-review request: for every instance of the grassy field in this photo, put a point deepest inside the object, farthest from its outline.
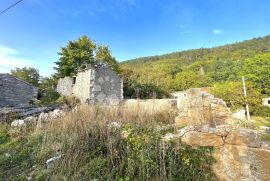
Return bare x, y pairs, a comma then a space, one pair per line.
103, 143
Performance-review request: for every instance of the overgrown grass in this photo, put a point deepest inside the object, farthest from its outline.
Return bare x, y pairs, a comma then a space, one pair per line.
104, 143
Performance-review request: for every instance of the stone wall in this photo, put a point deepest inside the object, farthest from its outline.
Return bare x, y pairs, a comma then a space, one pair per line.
107, 86
65, 86
15, 92
198, 108
151, 105
97, 85
266, 101
82, 85
240, 153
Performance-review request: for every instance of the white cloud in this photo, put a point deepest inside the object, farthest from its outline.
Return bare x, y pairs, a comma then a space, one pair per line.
9, 59
217, 32
182, 33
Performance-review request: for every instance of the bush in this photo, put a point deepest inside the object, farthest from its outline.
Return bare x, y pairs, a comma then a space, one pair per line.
145, 91
3, 136
232, 94
263, 111
70, 101
48, 97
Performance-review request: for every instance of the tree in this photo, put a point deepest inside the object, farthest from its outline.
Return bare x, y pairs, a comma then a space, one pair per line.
232, 94
257, 70
47, 93
190, 79
28, 74
103, 54
81, 54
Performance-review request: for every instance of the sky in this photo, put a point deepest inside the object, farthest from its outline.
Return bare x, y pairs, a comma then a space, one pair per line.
32, 32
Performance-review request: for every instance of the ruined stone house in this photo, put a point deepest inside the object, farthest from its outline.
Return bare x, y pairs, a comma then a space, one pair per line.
99, 84
15, 92
266, 101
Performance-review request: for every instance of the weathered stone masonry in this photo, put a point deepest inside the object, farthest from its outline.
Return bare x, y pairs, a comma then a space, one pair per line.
97, 85
15, 92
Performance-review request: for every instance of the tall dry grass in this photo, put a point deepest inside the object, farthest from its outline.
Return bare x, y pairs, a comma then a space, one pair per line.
114, 143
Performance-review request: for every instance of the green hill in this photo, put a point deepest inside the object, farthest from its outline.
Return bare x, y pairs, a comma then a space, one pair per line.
220, 67
235, 51
211, 65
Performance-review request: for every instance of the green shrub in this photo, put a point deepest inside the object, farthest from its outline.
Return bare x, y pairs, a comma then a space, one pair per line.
145, 91
266, 137
263, 111
70, 101
48, 97
3, 136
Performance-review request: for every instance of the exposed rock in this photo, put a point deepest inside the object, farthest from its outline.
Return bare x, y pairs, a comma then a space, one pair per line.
169, 136
245, 137
181, 121
223, 130
57, 113
42, 119
51, 162
265, 129
115, 125
199, 108
239, 153
18, 123
30, 119
195, 138
265, 145
242, 163
239, 114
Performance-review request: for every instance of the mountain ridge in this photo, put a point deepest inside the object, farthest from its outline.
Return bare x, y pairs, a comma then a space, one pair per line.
180, 54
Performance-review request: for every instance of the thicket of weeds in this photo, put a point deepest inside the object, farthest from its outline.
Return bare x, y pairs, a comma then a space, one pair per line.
102, 143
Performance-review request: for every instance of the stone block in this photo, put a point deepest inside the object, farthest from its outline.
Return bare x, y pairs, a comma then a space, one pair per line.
244, 137
195, 138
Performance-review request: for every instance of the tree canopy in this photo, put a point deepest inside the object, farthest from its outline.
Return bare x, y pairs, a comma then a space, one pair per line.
28, 74
219, 67
81, 54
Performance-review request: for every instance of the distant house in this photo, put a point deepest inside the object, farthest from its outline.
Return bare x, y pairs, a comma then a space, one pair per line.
266, 101
99, 84
15, 92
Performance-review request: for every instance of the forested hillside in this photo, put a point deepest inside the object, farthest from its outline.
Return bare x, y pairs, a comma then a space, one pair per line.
219, 67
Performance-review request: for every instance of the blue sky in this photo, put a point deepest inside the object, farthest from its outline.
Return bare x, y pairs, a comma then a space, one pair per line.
32, 32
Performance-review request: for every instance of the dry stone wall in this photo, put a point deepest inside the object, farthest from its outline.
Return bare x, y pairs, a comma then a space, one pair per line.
107, 86
65, 86
150, 105
97, 85
199, 108
15, 92
82, 85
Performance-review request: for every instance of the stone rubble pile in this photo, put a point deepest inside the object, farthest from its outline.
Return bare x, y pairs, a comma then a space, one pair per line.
40, 120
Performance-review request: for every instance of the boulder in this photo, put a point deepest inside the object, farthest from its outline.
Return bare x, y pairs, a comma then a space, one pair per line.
265, 145
241, 163
223, 130
52, 161
245, 137
30, 119
18, 123
239, 114
57, 113
195, 138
